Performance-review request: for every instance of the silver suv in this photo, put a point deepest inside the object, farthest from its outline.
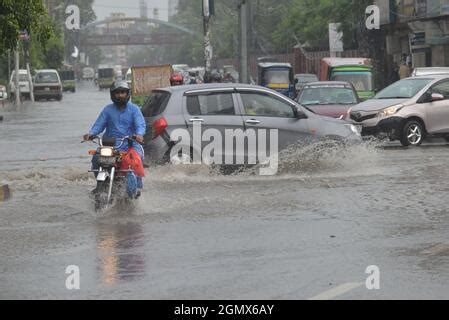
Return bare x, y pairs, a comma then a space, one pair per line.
407, 110
223, 106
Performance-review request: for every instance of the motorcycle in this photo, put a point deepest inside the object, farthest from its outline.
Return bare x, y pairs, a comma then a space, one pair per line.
113, 182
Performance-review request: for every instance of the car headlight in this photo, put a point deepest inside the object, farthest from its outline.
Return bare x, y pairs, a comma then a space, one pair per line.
391, 110
106, 152
355, 129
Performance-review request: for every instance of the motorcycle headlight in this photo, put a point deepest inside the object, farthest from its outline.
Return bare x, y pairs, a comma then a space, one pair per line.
106, 152
391, 110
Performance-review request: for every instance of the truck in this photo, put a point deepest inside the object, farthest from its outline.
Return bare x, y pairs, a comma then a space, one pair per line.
147, 78
88, 73
358, 71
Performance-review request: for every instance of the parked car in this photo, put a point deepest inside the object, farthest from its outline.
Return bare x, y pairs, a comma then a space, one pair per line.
301, 79
329, 98
47, 85
407, 110
24, 84
430, 71
224, 106
3, 93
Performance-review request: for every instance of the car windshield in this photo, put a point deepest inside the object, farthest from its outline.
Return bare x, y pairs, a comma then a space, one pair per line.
156, 103
47, 77
22, 77
67, 75
277, 76
106, 73
362, 81
327, 95
405, 88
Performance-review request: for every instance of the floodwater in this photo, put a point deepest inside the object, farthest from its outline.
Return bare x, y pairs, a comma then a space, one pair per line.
196, 234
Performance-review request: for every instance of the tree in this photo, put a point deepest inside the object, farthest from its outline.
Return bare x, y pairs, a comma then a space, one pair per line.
71, 37
307, 21
18, 15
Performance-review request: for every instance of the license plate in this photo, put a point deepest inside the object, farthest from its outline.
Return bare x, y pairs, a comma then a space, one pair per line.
47, 89
102, 176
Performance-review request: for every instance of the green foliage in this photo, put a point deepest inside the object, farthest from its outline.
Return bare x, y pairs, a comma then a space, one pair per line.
278, 25
139, 100
17, 15
53, 53
307, 21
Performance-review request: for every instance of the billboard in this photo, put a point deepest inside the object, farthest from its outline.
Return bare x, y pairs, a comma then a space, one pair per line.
147, 78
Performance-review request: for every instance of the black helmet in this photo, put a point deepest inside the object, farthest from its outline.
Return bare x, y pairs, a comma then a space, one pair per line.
120, 85
216, 77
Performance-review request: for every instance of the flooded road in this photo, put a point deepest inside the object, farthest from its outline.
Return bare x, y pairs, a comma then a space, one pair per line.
309, 232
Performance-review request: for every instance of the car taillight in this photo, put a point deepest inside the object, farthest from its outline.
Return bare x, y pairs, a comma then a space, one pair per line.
158, 127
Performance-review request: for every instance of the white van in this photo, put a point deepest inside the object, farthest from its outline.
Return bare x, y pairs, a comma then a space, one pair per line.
24, 85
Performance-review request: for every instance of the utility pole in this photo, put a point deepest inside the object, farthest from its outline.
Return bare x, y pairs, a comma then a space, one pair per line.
9, 63
243, 40
207, 45
16, 80
26, 46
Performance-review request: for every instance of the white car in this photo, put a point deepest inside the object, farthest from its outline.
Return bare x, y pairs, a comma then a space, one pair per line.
24, 85
3, 93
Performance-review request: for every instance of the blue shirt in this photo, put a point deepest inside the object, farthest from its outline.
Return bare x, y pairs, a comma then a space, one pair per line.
120, 123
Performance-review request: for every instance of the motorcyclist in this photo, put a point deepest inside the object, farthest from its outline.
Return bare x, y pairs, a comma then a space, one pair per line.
120, 119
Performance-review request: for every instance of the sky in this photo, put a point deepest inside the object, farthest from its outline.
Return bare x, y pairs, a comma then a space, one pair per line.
104, 8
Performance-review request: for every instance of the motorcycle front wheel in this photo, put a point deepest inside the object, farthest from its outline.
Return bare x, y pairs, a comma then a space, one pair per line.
101, 195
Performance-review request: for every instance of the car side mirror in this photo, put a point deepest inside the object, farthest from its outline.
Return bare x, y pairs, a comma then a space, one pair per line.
296, 81
436, 97
299, 114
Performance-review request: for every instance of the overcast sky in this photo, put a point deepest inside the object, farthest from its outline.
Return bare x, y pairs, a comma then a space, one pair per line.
104, 8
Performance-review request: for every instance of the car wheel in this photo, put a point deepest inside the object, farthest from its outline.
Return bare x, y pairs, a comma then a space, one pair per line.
412, 133
59, 98
180, 158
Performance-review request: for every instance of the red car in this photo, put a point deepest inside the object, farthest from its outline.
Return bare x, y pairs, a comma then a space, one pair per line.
329, 98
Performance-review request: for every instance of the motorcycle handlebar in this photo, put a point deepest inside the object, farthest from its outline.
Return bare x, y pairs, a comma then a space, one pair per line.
128, 138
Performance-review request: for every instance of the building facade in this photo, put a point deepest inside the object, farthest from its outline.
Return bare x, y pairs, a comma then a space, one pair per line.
418, 29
